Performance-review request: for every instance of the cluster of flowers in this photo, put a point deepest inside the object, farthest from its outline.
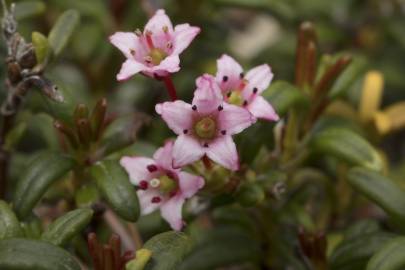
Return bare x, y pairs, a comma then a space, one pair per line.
222, 106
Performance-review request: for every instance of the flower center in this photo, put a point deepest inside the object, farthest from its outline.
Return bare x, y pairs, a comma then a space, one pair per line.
157, 55
205, 128
164, 183
236, 98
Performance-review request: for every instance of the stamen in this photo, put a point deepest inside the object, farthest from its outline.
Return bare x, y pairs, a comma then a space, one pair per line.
223, 132
149, 40
148, 59
165, 29
220, 108
229, 94
241, 75
143, 185
255, 90
225, 78
169, 45
245, 103
194, 107
205, 144
132, 52
156, 200
185, 131
151, 168
138, 32
242, 84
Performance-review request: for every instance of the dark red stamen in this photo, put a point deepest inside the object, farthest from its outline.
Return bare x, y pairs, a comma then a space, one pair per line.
220, 108
185, 131
151, 168
244, 103
241, 75
255, 90
156, 200
194, 107
143, 185
225, 78
223, 132
205, 144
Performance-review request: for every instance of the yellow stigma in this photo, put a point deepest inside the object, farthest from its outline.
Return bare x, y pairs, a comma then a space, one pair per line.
157, 55
236, 98
167, 184
205, 128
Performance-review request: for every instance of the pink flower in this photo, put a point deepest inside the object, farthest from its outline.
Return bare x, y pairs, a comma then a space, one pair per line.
244, 90
206, 126
155, 51
161, 186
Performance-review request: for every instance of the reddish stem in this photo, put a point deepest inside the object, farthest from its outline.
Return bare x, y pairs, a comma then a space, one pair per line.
171, 89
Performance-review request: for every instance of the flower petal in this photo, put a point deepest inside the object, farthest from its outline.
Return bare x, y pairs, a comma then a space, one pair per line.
163, 156
145, 201
190, 184
170, 64
186, 150
229, 69
136, 168
223, 151
183, 35
158, 22
171, 212
261, 108
207, 96
129, 68
234, 119
125, 42
177, 115
259, 77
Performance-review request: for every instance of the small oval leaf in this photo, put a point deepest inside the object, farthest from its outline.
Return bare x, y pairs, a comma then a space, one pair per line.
9, 225
26, 254
116, 188
168, 250
390, 256
62, 30
44, 170
381, 190
67, 226
41, 46
347, 146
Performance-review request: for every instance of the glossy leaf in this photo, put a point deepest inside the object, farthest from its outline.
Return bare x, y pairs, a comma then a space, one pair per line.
41, 46
62, 30
45, 169
114, 183
347, 146
25, 254
67, 226
9, 225
381, 190
390, 256
168, 250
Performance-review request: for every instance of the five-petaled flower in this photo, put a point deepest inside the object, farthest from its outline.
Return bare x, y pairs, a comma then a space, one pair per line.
205, 127
244, 90
155, 51
160, 185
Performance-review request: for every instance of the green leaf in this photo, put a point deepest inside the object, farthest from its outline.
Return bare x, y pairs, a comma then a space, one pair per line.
168, 250
67, 226
222, 247
347, 146
41, 46
28, 9
390, 256
353, 254
362, 227
62, 30
44, 170
14, 135
116, 188
381, 190
9, 225
282, 95
25, 254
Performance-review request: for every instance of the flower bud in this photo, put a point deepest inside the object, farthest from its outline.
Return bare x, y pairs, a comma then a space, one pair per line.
81, 112
98, 118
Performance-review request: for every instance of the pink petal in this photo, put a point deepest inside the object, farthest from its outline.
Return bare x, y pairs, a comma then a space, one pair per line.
125, 42
259, 77
171, 212
186, 150
163, 156
229, 68
234, 119
158, 22
145, 200
170, 64
136, 168
207, 96
261, 108
190, 184
129, 68
223, 151
177, 115
183, 35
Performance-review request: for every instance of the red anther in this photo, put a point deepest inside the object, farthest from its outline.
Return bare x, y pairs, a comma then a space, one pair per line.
151, 168
156, 200
143, 185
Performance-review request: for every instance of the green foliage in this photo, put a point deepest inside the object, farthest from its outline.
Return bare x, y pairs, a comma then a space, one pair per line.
9, 225
62, 30
389, 257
